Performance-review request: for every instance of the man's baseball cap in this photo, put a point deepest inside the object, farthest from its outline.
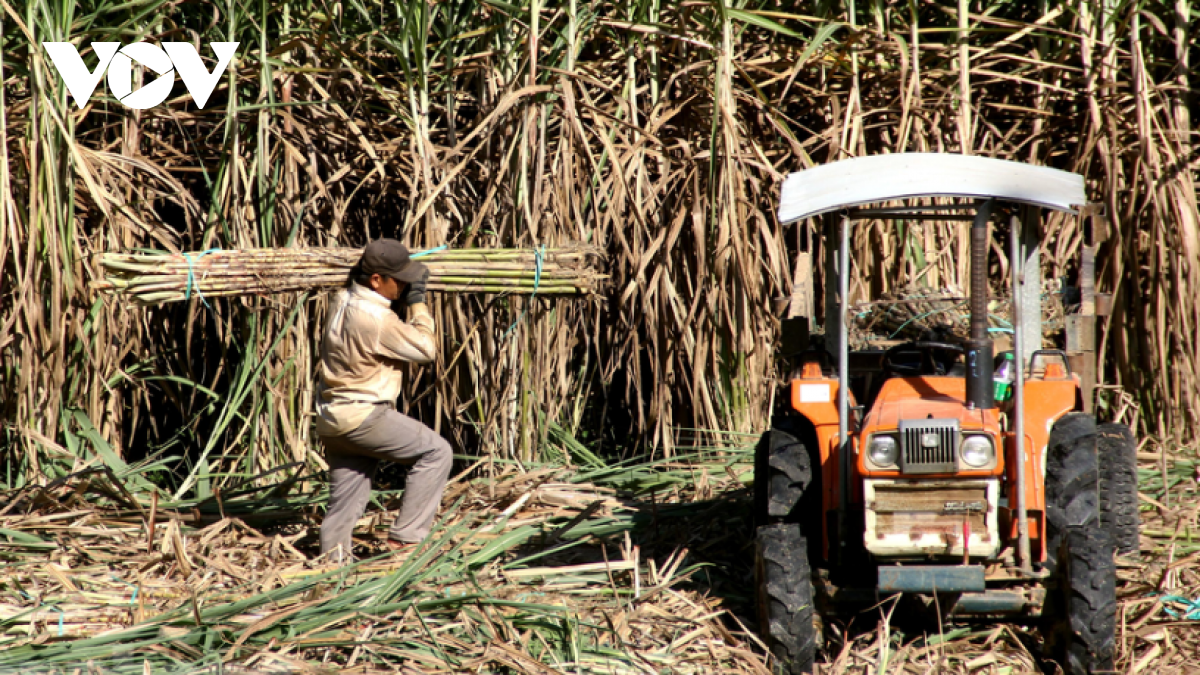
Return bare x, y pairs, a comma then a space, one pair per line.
390, 258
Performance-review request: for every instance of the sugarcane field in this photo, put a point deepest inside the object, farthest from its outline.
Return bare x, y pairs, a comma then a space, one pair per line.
599, 338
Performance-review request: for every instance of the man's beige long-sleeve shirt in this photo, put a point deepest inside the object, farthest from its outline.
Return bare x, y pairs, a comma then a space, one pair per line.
364, 344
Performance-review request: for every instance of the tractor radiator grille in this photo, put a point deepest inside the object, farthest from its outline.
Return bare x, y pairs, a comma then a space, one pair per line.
928, 446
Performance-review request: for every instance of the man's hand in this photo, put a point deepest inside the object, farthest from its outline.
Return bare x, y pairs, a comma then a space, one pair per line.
416, 290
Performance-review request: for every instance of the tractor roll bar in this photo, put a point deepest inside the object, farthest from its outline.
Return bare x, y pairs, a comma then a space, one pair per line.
844, 453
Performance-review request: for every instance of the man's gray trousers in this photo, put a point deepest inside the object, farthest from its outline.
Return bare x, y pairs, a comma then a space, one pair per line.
385, 435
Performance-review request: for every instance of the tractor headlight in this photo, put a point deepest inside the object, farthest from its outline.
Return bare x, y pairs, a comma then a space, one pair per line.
883, 451
978, 451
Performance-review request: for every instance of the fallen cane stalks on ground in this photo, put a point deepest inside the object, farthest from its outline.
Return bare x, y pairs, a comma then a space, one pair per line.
631, 567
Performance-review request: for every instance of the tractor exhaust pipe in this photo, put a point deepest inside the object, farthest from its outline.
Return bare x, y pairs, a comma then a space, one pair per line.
980, 392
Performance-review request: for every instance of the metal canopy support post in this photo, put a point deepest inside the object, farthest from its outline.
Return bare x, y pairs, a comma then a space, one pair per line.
1030, 281
843, 333
843, 398
1019, 271
832, 311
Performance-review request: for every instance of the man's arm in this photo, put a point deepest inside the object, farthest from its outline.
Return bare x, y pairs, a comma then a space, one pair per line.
414, 341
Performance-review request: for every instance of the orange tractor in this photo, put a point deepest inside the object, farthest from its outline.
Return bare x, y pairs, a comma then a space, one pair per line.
900, 471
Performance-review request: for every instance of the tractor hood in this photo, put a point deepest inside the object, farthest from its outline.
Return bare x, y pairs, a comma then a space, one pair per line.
916, 398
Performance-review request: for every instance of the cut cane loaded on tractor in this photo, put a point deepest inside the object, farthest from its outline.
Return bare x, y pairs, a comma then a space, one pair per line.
901, 471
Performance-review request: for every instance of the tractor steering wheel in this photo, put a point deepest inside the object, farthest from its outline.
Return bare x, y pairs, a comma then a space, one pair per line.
925, 364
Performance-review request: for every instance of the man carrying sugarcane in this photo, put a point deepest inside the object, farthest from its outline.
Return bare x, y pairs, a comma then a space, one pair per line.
360, 378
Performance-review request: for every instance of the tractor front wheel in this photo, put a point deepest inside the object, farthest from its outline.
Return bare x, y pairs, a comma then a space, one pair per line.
1072, 480
782, 473
1084, 637
785, 598
1081, 608
787, 480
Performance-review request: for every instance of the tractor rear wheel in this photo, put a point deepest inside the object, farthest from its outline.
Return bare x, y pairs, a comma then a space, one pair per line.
783, 580
1080, 612
1117, 450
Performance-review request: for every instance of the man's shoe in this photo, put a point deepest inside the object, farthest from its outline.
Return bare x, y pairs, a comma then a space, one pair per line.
402, 549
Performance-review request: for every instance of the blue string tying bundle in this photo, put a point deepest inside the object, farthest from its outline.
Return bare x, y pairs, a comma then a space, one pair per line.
426, 252
539, 256
133, 599
191, 277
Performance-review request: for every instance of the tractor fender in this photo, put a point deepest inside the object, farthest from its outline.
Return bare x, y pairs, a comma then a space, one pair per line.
1046, 402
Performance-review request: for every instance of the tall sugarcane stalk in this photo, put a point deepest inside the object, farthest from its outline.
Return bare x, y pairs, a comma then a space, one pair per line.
156, 278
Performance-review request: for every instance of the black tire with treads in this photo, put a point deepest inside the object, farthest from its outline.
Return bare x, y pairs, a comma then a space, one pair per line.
787, 480
781, 474
1072, 480
783, 581
762, 455
1079, 617
1084, 635
1117, 450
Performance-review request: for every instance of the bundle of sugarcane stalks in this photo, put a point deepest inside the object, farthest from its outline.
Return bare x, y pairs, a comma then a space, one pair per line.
156, 278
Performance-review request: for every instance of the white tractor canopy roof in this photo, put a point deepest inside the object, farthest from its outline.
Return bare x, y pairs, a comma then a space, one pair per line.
881, 178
